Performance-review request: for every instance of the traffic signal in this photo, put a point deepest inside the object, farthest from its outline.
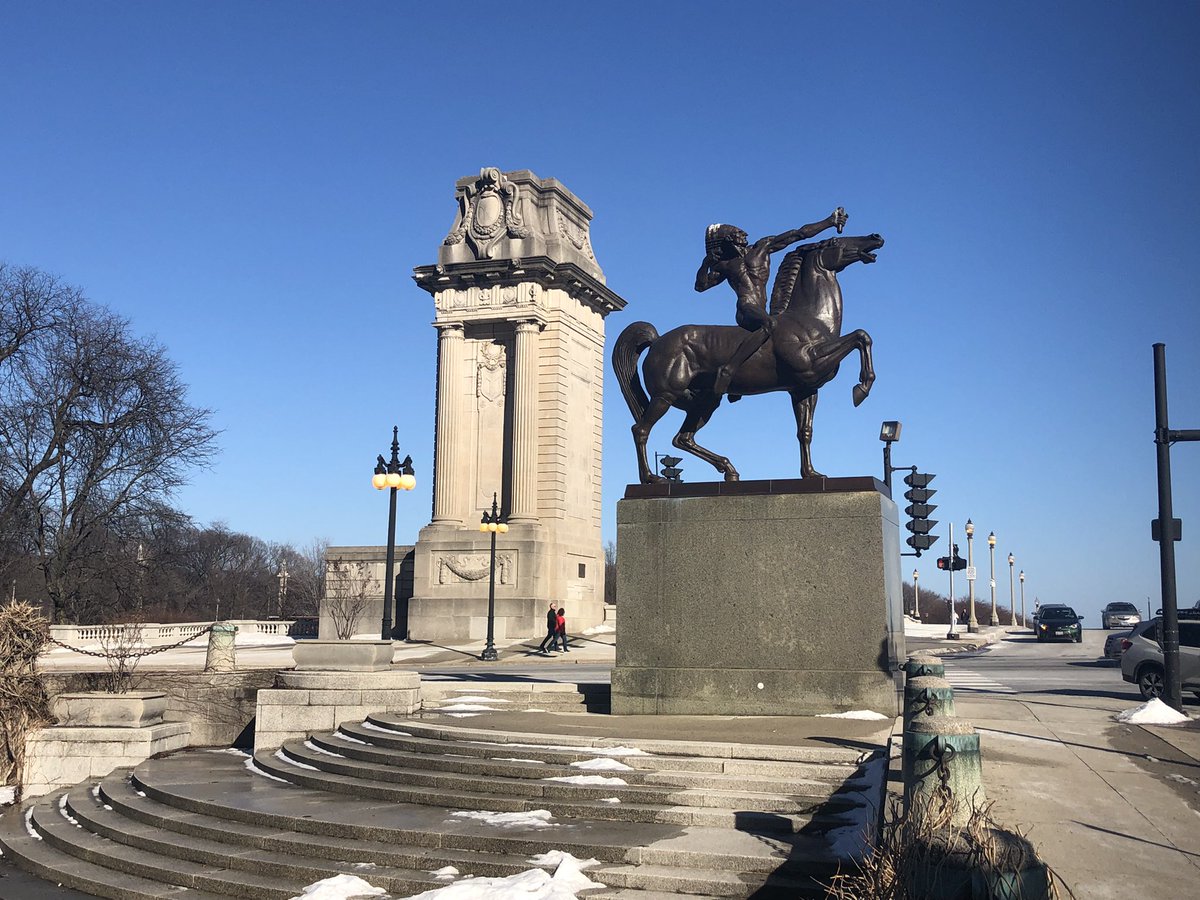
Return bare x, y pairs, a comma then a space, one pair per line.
919, 510
670, 467
953, 563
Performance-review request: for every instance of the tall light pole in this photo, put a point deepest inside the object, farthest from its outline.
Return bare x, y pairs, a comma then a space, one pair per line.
283, 580
492, 522
392, 476
1012, 594
916, 595
1022, 579
995, 620
972, 622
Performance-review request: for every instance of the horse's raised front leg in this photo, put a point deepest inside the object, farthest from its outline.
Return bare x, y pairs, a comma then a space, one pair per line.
655, 410
697, 417
829, 353
804, 404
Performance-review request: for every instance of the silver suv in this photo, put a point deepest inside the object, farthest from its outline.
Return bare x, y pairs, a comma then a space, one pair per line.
1142, 661
1120, 614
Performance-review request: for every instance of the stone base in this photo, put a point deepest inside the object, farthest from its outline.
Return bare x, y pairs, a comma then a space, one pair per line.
758, 598
343, 656
101, 709
63, 755
450, 583
304, 703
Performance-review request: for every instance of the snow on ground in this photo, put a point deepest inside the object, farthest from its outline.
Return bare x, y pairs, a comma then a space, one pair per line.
602, 764
535, 884
471, 698
599, 751
257, 771
537, 818
467, 707
600, 629
311, 746
587, 779
8, 795
514, 759
865, 714
371, 726
1153, 712
339, 887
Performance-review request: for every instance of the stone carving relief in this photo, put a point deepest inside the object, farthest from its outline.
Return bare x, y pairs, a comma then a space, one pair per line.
458, 567
488, 210
490, 377
575, 234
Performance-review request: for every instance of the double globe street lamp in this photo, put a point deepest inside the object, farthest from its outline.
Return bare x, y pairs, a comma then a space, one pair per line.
492, 522
391, 476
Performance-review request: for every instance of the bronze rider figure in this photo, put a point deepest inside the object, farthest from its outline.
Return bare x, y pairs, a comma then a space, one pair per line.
747, 268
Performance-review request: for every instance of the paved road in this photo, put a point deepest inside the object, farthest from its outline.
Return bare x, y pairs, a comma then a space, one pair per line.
1019, 665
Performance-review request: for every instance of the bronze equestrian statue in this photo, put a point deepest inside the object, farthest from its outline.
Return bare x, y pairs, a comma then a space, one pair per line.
797, 346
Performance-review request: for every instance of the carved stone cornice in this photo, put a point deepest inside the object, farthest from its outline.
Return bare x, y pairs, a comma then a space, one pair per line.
505, 273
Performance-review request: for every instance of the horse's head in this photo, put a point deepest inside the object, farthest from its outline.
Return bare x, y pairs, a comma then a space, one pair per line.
836, 253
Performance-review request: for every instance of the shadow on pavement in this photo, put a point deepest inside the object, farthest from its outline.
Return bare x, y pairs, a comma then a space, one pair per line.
1130, 837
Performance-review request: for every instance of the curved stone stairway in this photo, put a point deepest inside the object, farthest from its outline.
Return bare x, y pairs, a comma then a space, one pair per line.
378, 800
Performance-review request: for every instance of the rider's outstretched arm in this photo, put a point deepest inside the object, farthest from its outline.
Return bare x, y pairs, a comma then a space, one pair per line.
774, 242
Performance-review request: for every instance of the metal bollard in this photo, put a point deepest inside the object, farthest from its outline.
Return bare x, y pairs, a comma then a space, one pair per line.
920, 664
222, 651
929, 696
942, 762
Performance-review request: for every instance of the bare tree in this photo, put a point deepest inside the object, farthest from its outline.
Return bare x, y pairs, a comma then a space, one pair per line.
350, 588
610, 572
95, 433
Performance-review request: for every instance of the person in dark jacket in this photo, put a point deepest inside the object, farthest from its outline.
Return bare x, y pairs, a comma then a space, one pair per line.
561, 626
551, 628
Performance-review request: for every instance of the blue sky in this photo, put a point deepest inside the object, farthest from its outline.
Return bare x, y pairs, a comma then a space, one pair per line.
254, 182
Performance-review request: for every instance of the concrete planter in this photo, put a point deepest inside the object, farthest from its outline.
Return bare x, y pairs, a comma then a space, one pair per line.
343, 656
98, 709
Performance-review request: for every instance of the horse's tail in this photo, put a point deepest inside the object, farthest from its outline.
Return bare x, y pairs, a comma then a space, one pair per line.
785, 280
633, 340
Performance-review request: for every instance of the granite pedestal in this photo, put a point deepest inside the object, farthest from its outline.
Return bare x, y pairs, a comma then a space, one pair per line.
758, 598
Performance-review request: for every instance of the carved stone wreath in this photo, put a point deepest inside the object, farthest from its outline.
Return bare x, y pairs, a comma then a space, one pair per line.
474, 566
576, 235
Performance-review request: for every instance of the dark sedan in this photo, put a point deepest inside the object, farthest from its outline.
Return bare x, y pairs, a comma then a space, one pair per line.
1059, 623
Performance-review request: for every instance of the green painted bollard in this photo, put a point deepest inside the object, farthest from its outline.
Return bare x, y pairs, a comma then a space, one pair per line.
927, 696
942, 763
920, 664
222, 650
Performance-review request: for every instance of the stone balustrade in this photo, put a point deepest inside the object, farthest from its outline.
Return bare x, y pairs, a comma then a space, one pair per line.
154, 634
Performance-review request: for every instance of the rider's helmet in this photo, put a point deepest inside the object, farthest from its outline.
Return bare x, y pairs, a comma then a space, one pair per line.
718, 234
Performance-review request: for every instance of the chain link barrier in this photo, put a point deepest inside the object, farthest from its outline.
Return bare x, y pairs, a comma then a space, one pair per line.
943, 754
138, 654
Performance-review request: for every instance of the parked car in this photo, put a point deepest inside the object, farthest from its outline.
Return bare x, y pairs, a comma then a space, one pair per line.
1113, 644
1119, 613
1142, 659
1058, 623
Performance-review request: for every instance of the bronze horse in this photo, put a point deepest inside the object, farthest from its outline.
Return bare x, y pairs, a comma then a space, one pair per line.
803, 354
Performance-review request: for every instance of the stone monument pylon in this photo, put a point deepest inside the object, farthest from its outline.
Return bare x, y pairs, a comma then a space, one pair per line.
520, 303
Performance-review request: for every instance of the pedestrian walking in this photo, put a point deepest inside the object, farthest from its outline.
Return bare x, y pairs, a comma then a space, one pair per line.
551, 628
561, 629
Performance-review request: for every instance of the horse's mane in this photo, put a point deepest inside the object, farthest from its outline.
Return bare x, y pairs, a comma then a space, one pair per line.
785, 279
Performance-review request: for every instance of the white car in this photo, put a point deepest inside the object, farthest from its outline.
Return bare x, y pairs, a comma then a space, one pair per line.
1120, 615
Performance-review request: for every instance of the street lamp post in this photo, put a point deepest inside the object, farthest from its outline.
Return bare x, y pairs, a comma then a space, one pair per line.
1021, 578
492, 522
1012, 595
889, 433
283, 580
995, 620
916, 596
972, 622
392, 476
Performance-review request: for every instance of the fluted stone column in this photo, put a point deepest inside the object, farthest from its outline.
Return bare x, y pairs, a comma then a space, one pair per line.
525, 439
447, 498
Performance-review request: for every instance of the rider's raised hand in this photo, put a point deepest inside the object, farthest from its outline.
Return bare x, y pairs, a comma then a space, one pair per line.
838, 218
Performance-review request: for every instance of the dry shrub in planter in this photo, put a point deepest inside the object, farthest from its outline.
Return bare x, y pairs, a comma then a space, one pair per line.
24, 705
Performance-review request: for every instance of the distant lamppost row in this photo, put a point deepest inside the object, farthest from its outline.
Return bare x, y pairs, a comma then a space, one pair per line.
972, 622
492, 522
1021, 577
916, 595
995, 620
1012, 594
392, 476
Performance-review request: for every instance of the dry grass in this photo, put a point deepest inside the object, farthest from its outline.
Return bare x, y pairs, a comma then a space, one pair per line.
922, 854
24, 705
